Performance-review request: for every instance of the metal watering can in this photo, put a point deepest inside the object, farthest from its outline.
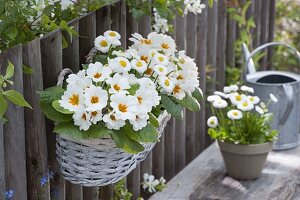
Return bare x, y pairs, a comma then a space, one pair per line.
286, 87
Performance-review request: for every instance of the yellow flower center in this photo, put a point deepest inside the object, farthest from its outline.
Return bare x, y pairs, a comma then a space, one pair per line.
116, 87
112, 34
140, 99
160, 69
123, 63
212, 122
97, 75
176, 89
74, 100
103, 43
122, 107
235, 113
165, 46
161, 59
238, 97
112, 117
94, 99
251, 98
181, 61
139, 64
146, 41
94, 113
145, 58
167, 82
245, 104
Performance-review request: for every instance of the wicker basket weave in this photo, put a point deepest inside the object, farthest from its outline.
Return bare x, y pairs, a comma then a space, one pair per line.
98, 162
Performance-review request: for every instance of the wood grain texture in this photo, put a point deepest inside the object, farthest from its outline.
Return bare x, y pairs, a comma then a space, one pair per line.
71, 53
158, 158
132, 25
265, 14
257, 16
205, 178
87, 32
123, 24
272, 18
51, 54
103, 20
201, 60
73, 192
106, 192
230, 38
90, 193
169, 156
36, 138
14, 129
115, 16
221, 44
133, 182
2, 163
190, 116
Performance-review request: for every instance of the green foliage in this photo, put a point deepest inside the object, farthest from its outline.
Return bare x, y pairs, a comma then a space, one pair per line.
147, 134
9, 95
121, 192
171, 106
124, 142
153, 120
197, 94
190, 103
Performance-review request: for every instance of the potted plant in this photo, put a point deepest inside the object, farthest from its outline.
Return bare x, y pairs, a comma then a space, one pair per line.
110, 114
241, 126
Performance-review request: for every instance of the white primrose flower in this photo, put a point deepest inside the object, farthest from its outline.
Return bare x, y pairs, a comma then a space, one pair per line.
273, 98
160, 59
95, 98
237, 98
230, 89
220, 103
259, 110
212, 122
146, 84
221, 94
131, 78
147, 99
178, 92
152, 53
166, 84
150, 183
82, 119
140, 121
160, 70
118, 83
125, 107
79, 80
102, 44
167, 45
139, 65
112, 122
247, 89
72, 99
97, 72
253, 99
120, 64
234, 114
213, 98
95, 116
245, 105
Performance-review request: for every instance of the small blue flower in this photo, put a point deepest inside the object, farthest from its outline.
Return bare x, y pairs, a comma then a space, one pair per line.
44, 180
9, 194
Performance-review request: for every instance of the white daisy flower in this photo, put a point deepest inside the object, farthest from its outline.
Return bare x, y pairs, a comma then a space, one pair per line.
253, 99
125, 107
95, 116
95, 98
160, 70
231, 88
259, 110
273, 98
178, 92
112, 34
212, 122
234, 114
160, 59
140, 121
166, 84
117, 83
221, 94
247, 89
113, 123
72, 99
220, 103
245, 105
213, 98
237, 98
139, 65
98, 72
102, 44
120, 64
82, 119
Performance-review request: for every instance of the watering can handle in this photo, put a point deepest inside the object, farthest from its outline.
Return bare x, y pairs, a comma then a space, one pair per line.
289, 93
249, 60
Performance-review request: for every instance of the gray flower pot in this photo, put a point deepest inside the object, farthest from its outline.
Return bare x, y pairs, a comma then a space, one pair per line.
244, 161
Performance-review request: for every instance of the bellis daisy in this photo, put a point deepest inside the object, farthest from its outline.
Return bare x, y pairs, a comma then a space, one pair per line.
212, 122
234, 114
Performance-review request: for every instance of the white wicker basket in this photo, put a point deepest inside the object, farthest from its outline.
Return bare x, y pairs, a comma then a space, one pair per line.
98, 162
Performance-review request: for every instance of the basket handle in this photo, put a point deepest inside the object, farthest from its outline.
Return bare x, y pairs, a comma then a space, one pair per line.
249, 66
62, 74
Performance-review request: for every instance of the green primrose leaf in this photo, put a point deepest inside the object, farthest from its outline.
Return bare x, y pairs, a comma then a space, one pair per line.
9, 71
16, 98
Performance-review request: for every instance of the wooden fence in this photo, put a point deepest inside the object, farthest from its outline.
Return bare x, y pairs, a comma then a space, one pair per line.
27, 144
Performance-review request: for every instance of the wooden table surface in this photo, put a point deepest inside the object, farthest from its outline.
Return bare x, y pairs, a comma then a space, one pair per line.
205, 178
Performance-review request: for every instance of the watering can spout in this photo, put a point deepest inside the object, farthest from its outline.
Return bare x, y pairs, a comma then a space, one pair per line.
250, 67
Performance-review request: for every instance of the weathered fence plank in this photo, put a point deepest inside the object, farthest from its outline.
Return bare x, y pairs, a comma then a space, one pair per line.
231, 37
272, 18
132, 25
190, 116
14, 130
169, 155
87, 32
221, 44
106, 192
71, 53
265, 12
73, 192
115, 16
133, 182
257, 16
180, 132
37, 155
158, 158
201, 58
2, 164
123, 24
90, 193
51, 51
103, 20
